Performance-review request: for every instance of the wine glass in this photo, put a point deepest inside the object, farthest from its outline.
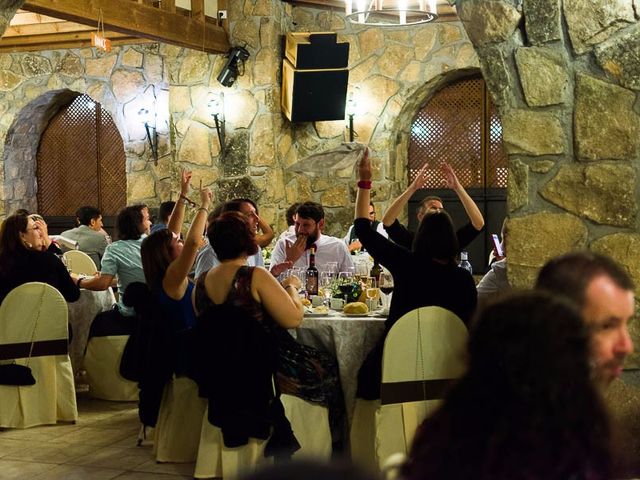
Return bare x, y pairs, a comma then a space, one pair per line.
345, 284
326, 282
371, 291
386, 287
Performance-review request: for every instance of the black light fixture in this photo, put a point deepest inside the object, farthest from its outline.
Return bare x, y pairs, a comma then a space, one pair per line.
230, 71
216, 108
152, 139
350, 110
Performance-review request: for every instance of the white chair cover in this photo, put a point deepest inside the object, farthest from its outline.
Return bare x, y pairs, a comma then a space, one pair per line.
102, 363
177, 432
423, 350
40, 306
80, 263
310, 425
216, 460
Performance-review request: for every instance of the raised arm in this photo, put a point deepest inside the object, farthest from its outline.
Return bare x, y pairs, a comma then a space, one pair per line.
399, 203
177, 214
175, 278
267, 234
473, 212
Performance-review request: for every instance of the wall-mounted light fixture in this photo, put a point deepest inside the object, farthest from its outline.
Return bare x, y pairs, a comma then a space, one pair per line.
350, 110
216, 109
230, 71
145, 117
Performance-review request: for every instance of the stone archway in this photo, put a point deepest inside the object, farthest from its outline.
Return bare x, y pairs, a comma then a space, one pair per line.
21, 146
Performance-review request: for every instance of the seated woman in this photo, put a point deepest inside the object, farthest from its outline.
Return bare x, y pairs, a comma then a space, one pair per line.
232, 292
24, 258
423, 276
167, 261
526, 407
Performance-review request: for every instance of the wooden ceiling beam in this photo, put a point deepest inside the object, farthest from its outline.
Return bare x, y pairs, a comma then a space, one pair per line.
137, 20
55, 41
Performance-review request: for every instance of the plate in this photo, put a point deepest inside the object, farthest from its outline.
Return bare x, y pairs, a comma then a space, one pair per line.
316, 314
357, 314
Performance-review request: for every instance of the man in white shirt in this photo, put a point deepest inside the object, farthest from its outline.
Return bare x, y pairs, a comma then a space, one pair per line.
293, 250
350, 239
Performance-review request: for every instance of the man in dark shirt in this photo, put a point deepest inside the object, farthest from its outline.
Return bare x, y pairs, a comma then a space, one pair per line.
402, 236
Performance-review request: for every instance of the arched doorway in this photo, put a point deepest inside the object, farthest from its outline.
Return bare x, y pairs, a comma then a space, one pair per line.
460, 125
80, 161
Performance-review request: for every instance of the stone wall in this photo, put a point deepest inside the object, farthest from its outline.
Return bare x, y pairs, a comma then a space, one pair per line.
565, 76
394, 72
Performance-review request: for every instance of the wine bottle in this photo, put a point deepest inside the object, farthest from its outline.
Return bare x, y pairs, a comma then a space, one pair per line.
312, 274
375, 270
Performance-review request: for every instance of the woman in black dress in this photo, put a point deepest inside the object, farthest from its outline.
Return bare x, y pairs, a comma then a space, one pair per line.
423, 276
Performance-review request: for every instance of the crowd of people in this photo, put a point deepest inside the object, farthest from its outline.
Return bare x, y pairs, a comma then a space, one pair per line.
529, 405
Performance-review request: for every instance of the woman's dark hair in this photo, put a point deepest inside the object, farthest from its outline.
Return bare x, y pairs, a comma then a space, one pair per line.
129, 222
230, 236
526, 408
156, 256
10, 240
436, 238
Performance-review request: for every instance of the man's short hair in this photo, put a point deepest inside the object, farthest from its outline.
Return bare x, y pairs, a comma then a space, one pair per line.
291, 211
86, 214
425, 200
129, 222
570, 274
164, 212
311, 210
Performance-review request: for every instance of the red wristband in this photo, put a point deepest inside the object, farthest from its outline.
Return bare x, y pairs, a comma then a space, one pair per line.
365, 184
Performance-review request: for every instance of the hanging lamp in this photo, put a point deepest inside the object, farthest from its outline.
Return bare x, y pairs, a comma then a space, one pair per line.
390, 13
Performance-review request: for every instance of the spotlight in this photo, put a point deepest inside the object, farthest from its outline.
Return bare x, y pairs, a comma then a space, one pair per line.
230, 70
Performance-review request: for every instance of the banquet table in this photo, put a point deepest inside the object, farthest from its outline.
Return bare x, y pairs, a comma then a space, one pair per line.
81, 314
349, 339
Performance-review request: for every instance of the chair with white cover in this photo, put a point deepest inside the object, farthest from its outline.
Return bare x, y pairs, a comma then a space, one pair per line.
310, 424
80, 263
423, 353
35, 333
177, 431
102, 365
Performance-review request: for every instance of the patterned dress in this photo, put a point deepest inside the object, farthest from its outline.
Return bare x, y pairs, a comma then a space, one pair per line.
302, 370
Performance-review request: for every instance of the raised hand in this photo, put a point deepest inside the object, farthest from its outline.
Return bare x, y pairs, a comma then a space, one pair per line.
205, 197
364, 166
421, 178
450, 177
185, 180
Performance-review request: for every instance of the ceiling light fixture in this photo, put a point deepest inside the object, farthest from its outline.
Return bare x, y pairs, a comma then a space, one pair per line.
390, 13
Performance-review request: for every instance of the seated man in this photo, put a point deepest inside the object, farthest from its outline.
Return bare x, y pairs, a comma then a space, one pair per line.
495, 281
164, 212
399, 234
351, 240
207, 258
293, 250
91, 238
289, 215
122, 258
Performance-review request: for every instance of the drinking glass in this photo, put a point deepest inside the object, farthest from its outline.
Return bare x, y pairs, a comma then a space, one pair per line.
386, 288
345, 284
372, 292
326, 282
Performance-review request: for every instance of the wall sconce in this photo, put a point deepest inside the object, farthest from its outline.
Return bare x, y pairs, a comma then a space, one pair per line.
153, 140
216, 108
350, 110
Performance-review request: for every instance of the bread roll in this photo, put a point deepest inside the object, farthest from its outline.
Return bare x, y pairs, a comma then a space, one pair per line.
356, 307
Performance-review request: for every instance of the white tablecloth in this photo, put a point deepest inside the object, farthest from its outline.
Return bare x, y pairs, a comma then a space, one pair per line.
349, 339
81, 314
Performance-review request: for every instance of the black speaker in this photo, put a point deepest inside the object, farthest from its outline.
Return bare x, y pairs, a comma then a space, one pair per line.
313, 95
314, 77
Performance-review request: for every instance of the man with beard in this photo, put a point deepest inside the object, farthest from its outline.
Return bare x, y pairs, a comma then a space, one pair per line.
604, 295
293, 250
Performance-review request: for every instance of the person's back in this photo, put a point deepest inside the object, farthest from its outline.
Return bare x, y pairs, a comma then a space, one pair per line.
515, 414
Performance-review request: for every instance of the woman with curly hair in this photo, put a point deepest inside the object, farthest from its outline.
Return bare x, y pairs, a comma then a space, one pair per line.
526, 408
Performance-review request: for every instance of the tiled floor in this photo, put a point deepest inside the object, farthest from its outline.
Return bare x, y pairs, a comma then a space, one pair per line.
101, 446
